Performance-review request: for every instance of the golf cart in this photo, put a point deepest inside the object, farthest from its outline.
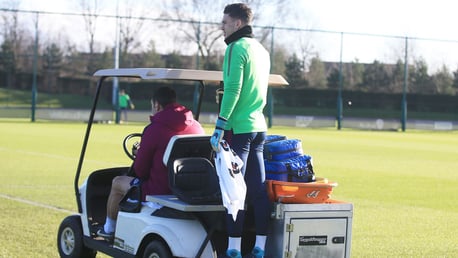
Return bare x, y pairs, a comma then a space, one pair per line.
166, 226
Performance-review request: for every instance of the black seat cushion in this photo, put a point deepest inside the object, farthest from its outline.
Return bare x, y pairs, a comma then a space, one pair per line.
194, 180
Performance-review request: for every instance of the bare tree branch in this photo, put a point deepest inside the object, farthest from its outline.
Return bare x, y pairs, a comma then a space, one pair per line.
201, 20
90, 10
131, 26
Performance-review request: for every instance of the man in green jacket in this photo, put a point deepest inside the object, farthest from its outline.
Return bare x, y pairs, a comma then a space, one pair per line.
125, 103
246, 70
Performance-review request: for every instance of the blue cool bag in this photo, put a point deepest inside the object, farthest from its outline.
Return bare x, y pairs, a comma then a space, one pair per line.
297, 169
282, 149
274, 137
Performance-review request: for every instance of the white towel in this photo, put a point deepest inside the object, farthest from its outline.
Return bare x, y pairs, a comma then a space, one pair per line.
229, 169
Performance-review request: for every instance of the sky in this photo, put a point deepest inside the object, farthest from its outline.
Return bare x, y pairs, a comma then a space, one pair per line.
421, 18
425, 19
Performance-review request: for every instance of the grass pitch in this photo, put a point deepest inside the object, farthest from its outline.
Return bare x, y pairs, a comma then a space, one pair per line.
404, 186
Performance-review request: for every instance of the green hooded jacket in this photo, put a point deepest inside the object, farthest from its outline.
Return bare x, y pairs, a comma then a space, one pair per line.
246, 70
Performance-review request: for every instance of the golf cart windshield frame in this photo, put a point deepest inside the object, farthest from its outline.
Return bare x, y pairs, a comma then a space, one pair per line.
199, 76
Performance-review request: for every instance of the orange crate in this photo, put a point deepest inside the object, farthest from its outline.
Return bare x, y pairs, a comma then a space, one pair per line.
293, 192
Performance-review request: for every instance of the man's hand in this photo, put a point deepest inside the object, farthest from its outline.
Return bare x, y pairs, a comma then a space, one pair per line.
218, 133
135, 148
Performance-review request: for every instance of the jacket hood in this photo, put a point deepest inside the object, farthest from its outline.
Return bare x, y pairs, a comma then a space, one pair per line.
174, 116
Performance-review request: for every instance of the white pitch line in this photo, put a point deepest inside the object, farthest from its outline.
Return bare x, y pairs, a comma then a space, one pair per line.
37, 204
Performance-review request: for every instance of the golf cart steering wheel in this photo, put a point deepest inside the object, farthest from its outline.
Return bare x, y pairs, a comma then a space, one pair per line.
129, 147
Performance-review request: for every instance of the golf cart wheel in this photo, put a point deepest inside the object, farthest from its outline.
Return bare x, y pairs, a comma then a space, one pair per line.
70, 239
157, 249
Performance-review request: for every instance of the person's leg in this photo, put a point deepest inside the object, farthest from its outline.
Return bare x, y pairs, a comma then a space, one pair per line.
120, 186
256, 191
240, 143
124, 114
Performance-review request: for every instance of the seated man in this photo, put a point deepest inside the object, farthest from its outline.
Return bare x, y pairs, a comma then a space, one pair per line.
169, 119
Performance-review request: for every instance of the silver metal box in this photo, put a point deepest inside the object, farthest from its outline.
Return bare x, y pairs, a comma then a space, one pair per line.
310, 230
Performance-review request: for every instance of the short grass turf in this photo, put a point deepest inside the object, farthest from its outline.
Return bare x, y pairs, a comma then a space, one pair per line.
403, 185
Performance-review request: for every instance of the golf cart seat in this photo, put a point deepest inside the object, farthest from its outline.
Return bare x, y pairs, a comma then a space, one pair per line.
192, 174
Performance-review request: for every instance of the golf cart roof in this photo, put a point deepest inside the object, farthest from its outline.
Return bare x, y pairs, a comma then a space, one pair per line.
177, 74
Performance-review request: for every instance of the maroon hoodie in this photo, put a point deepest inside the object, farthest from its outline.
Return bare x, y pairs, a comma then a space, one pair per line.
172, 120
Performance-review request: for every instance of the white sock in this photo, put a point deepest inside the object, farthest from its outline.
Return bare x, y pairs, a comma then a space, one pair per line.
234, 243
260, 241
109, 226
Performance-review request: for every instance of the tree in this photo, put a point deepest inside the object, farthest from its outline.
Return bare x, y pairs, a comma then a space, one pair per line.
421, 81
279, 60
8, 62
52, 61
130, 26
52, 57
354, 76
334, 79
74, 63
190, 15
317, 75
11, 47
208, 35
455, 80
303, 46
90, 10
294, 72
173, 60
375, 77
151, 58
104, 59
442, 81
397, 77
